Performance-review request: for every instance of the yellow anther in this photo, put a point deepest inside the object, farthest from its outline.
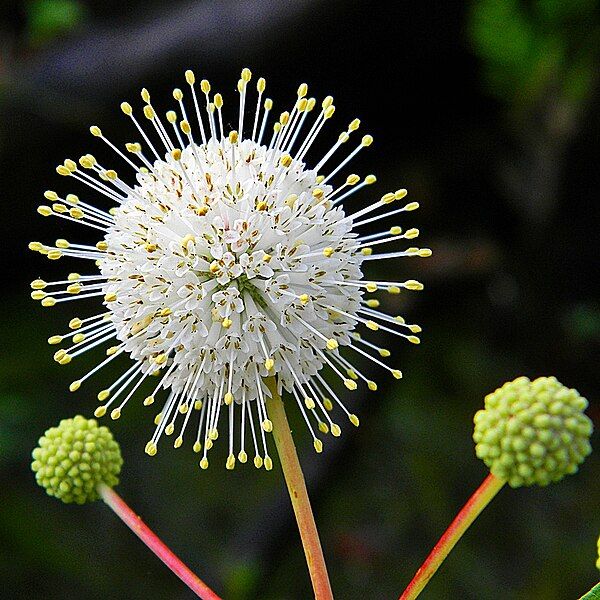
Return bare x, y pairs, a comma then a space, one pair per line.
171, 116
75, 385
352, 179
197, 447
302, 104
126, 108
372, 386
227, 323
335, 430
74, 276
133, 147
267, 425
233, 137
318, 193
302, 90
38, 295
304, 298
388, 198
411, 284
397, 374
169, 429
190, 77
343, 137
72, 199
149, 112
177, 94
262, 205
110, 297
354, 125
38, 284
399, 194
100, 411
115, 414
75, 323
371, 287
261, 84
177, 443
94, 130
218, 101
284, 117
62, 170
55, 339
185, 127
285, 160
367, 140
148, 400
311, 104
413, 339
71, 165
78, 338
60, 208
76, 213
309, 403
246, 74
269, 364
48, 301
354, 420
151, 449
327, 252
411, 233
415, 328
59, 354
328, 404
393, 289
327, 102
329, 112
102, 245
318, 444
50, 195
103, 395
396, 230
268, 104
267, 258
424, 252
161, 359
373, 303
323, 428
45, 211
204, 464
62, 243
176, 154
213, 434
230, 464
158, 418
214, 266
352, 374
366, 251
112, 350
350, 384
228, 398
35, 246
268, 463
145, 94
205, 86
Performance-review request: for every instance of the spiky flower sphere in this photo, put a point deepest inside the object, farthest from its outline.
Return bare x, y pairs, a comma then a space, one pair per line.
74, 458
225, 261
533, 432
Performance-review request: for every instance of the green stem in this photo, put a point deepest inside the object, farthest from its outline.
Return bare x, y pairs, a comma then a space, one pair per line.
470, 511
154, 543
298, 494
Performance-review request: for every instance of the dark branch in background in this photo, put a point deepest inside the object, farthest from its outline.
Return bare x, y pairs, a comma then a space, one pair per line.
68, 79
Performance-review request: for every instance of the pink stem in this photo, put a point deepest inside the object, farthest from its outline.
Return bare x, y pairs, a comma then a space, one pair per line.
135, 523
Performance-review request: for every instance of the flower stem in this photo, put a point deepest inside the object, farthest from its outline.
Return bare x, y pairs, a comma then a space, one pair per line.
469, 512
298, 494
135, 523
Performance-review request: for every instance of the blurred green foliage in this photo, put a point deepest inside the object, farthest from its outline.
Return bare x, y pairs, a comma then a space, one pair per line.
528, 47
47, 19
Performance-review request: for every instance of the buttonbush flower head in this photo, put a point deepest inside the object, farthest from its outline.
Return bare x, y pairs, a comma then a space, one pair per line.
533, 432
224, 259
74, 458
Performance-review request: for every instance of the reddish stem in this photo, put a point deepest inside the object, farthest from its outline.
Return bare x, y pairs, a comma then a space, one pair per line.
135, 523
476, 503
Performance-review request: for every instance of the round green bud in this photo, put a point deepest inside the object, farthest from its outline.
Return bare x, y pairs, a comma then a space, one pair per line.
533, 432
74, 458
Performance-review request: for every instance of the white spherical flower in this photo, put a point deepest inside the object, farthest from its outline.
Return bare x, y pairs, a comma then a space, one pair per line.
225, 261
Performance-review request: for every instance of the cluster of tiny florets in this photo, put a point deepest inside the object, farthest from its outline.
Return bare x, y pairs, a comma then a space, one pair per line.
74, 458
533, 432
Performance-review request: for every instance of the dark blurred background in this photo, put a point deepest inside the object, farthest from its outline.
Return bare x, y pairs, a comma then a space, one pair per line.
487, 111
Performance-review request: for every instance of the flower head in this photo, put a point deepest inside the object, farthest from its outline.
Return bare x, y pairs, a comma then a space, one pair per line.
533, 432
225, 260
74, 458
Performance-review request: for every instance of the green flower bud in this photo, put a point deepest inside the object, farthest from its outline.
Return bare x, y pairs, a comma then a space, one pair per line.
533, 432
74, 458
